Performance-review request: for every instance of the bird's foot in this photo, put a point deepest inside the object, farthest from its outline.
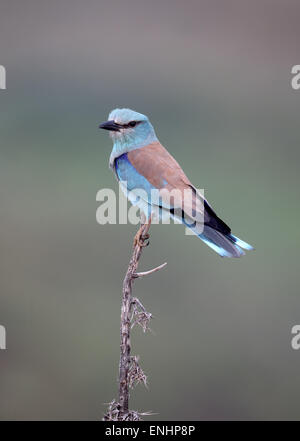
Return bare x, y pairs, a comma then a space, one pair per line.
141, 239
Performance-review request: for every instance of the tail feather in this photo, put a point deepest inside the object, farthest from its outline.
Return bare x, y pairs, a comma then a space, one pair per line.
226, 245
220, 243
240, 242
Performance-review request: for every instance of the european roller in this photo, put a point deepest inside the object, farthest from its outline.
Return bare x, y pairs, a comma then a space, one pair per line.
139, 159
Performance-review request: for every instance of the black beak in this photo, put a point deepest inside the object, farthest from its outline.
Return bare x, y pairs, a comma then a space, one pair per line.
110, 125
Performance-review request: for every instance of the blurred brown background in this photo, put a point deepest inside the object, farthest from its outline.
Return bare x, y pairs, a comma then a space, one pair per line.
214, 78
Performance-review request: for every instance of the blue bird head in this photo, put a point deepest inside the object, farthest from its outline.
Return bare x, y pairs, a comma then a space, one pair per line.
129, 130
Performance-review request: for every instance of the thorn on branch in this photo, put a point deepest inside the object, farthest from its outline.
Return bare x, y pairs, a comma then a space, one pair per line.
136, 374
146, 273
114, 413
140, 316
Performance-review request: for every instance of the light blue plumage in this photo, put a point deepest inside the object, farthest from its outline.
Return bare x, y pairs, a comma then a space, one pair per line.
139, 159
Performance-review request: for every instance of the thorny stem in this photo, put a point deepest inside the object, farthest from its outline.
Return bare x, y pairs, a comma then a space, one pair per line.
132, 312
125, 320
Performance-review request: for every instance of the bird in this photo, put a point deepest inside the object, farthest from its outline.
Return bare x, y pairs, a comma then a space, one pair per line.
141, 161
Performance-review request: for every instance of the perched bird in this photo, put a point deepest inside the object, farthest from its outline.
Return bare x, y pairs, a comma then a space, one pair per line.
139, 159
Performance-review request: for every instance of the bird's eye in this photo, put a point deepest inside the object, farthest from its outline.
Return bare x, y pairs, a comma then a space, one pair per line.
132, 124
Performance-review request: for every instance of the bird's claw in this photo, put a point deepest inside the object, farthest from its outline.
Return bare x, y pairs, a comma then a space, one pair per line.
141, 239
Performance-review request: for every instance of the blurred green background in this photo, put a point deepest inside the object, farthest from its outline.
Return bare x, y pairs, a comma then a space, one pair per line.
214, 78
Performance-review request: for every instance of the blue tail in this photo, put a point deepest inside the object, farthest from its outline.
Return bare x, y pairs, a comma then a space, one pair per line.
215, 233
226, 245
241, 243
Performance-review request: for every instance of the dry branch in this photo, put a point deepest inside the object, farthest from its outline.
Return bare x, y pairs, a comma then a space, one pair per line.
132, 312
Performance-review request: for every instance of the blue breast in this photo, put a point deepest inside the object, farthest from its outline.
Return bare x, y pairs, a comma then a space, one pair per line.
126, 172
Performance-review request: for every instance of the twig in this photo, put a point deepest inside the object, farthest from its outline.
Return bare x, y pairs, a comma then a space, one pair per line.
139, 315
132, 312
146, 273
